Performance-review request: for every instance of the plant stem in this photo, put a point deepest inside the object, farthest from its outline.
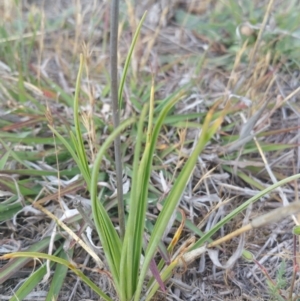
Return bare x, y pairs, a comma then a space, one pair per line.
114, 18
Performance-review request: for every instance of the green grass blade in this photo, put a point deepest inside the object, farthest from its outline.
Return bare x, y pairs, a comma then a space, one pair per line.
238, 210
15, 265
79, 142
249, 180
25, 138
80, 163
7, 212
174, 196
83, 165
58, 277
139, 198
68, 146
3, 160
63, 96
32, 281
127, 263
12, 153
85, 279
42, 173
139, 201
79, 154
108, 235
128, 58
164, 102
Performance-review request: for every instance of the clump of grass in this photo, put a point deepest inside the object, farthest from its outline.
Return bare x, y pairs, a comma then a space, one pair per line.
241, 133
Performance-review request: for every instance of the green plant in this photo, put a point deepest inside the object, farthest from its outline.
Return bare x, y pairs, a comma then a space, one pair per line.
280, 282
124, 257
130, 257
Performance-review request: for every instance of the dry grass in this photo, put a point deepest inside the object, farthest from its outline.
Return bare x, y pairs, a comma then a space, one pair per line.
257, 145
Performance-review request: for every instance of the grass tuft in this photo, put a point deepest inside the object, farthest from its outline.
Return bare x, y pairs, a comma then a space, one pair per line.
209, 146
